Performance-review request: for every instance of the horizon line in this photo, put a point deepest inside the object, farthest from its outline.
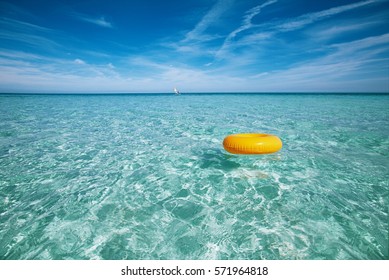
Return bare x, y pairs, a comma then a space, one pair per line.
204, 93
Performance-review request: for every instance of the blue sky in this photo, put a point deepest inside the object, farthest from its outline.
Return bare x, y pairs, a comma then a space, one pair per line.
195, 45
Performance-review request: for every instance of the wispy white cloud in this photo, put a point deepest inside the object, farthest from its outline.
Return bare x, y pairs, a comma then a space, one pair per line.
197, 42
250, 14
300, 22
87, 70
36, 41
11, 10
346, 63
211, 17
21, 26
261, 32
79, 61
100, 21
362, 44
47, 53
62, 76
328, 32
246, 24
322, 74
27, 33
18, 55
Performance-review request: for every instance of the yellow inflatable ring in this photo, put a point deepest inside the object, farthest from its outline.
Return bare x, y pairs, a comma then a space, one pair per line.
252, 143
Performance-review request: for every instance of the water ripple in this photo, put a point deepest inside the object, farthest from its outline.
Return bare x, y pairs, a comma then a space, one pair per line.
139, 177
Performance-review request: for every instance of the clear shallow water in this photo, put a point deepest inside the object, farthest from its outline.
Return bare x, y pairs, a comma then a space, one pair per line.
146, 177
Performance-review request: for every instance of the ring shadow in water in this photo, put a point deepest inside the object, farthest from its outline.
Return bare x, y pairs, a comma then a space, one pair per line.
215, 158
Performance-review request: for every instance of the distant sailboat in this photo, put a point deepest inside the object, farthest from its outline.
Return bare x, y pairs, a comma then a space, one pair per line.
176, 91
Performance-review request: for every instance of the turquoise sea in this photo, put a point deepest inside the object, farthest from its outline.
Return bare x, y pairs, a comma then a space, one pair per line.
146, 177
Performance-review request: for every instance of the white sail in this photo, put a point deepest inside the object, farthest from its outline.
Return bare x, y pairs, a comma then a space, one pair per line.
176, 91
